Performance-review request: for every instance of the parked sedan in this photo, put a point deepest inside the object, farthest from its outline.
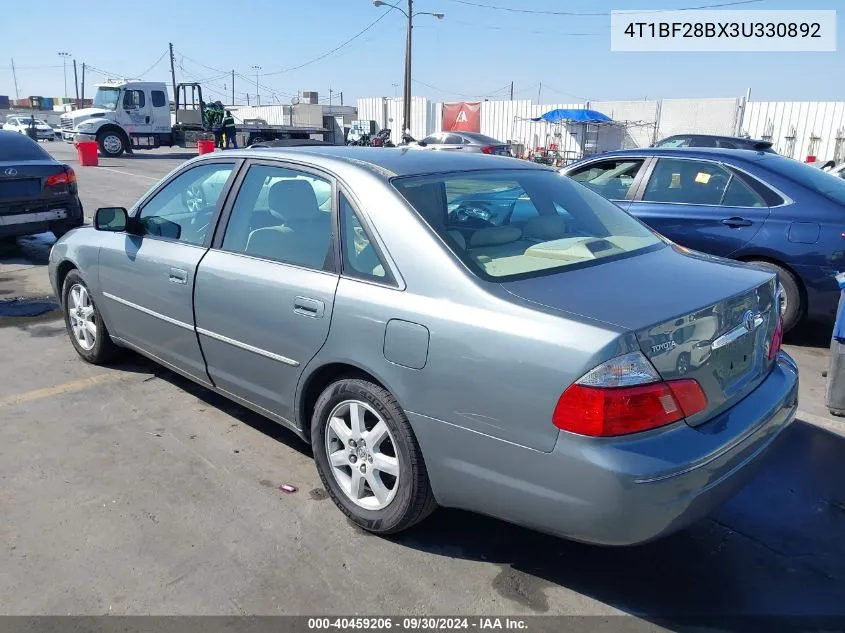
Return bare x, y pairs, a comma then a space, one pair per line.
712, 140
20, 124
466, 142
37, 192
525, 373
758, 207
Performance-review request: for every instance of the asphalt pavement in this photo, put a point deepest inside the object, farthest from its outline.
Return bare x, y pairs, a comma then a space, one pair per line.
129, 490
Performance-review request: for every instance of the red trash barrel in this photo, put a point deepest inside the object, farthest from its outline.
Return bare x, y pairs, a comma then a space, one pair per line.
87, 152
205, 147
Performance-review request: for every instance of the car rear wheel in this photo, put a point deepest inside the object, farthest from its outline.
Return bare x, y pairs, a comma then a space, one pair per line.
86, 329
368, 457
792, 303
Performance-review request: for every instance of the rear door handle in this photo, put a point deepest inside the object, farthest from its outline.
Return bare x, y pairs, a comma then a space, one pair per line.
309, 307
178, 276
736, 222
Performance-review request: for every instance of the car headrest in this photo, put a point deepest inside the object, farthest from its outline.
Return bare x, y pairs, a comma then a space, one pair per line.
294, 199
545, 227
284, 244
494, 236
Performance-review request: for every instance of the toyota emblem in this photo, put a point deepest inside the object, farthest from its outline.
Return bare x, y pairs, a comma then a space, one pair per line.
748, 320
11, 171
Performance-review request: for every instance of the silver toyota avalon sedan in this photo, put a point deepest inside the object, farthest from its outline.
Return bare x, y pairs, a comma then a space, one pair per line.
536, 355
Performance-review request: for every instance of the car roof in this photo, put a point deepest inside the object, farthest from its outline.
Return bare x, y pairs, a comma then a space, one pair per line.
387, 162
713, 153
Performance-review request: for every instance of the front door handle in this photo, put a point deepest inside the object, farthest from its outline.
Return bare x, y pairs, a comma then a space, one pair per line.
736, 222
178, 276
309, 307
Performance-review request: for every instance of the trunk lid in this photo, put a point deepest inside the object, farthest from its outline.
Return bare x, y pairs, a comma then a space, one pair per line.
26, 182
694, 316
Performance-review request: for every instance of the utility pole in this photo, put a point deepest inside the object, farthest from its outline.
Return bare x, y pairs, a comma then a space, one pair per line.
83, 81
330, 100
64, 55
511, 91
539, 90
406, 103
173, 71
257, 96
341, 98
406, 98
233, 87
75, 80
15, 78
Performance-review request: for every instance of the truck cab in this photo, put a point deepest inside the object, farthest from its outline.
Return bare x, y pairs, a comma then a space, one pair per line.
127, 115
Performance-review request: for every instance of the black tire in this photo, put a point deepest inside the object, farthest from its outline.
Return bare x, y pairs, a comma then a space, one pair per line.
104, 349
414, 499
795, 305
105, 140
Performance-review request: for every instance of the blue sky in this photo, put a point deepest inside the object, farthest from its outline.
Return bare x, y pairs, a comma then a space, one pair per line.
473, 52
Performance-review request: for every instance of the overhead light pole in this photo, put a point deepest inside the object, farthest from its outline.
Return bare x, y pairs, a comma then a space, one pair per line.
257, 96
410, 15
64, 57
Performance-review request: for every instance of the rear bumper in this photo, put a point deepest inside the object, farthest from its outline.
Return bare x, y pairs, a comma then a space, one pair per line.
612, 491
40, 217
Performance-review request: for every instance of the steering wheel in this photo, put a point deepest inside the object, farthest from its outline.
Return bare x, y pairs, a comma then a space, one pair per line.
473, 215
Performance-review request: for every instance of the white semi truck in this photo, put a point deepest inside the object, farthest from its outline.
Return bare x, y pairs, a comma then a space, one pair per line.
129, 115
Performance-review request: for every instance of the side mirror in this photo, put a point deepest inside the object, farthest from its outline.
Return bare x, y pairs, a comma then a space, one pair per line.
113, 219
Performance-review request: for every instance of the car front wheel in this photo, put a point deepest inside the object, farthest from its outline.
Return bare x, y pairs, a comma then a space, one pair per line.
86, 329
368, 457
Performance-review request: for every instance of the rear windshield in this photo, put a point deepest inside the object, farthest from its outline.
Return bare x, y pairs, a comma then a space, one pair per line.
481, 138
508, 224
813, 178
19, 147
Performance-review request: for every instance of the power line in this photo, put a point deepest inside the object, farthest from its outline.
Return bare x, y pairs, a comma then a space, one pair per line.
334, 50
461, 94
155, 63
601, 13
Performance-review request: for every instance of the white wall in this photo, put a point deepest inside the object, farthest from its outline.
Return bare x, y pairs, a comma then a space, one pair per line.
645, 122
792, 126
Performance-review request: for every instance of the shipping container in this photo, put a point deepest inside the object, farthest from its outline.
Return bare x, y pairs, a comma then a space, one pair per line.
4, 102
47, 103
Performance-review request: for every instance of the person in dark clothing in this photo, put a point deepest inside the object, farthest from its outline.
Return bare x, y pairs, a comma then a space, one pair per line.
230, 131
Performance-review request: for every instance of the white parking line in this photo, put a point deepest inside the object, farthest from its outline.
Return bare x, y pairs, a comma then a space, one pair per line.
129, 173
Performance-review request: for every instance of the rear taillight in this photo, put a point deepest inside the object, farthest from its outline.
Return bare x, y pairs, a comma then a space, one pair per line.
777, 339
488, 149
625, 395
65, 177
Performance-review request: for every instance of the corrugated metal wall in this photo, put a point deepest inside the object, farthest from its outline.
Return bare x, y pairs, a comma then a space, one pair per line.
799, 128
702, 116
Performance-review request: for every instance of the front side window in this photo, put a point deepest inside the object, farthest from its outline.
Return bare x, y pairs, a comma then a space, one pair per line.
282, 215
433, 139
360, 258
453, 139
572, 226
680, 181
609, 178
133, 100
184, 209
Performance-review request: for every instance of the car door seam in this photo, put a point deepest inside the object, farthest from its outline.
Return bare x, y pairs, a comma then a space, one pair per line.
248, 347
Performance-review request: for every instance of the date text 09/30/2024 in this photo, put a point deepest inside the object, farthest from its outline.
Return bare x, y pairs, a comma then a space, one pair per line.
418, 623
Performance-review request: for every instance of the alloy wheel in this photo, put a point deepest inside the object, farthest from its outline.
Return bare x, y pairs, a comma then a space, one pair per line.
112, 144
362, 455
82, 316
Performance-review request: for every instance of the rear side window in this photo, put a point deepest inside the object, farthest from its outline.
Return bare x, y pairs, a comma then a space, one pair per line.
674, 142
159, 99
562, 224
360, 257
681, 181
15, 146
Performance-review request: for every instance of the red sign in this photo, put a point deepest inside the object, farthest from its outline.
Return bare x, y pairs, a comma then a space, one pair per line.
462, 117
